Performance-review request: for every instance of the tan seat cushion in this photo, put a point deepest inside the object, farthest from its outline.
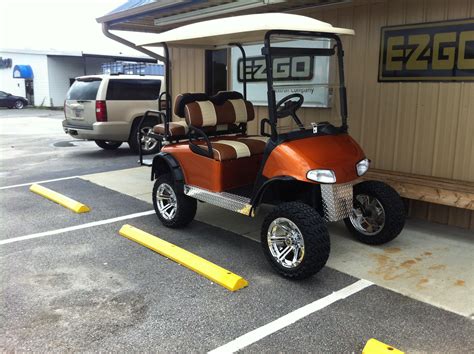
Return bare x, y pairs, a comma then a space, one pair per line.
176, 128
232, 147
207, 114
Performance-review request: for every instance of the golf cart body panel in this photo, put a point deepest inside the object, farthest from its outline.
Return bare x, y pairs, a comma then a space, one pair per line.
215, 176
339, 153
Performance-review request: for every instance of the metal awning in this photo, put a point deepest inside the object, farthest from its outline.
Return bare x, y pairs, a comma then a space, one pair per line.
156, 16
242, 29
22, 72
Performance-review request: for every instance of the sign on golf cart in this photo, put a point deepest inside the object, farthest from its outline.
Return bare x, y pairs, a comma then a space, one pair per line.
304, 74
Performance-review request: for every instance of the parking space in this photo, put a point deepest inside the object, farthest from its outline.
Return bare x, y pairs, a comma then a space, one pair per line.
79, 285
40, 214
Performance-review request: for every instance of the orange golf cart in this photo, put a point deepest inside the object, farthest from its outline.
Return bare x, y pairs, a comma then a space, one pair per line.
308, 169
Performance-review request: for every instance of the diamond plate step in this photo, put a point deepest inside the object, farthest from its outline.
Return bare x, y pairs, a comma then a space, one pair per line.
224, 200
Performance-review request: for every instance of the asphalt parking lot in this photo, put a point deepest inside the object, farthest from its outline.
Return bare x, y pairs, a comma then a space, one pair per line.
84, 287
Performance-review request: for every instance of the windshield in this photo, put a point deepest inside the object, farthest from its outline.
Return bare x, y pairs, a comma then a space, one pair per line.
308, 67
301, 65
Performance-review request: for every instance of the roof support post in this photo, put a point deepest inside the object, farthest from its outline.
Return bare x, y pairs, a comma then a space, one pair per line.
244, 66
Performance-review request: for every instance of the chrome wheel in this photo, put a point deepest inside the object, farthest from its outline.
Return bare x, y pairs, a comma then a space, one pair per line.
368, 215
148, 143
166, 201
285, 242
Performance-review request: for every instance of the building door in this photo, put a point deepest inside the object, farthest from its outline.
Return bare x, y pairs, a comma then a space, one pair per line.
216, 71
29, 91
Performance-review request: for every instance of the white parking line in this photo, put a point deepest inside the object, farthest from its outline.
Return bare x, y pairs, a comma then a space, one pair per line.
38, 182
292, 317
77, 227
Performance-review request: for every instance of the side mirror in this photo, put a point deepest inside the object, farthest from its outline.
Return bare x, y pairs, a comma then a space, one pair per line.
9, 94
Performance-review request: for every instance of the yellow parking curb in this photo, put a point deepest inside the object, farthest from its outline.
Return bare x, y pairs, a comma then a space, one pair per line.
201, 266
59, 198
374, 346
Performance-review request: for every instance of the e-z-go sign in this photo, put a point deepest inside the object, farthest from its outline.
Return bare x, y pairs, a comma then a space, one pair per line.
290, 68
435, 51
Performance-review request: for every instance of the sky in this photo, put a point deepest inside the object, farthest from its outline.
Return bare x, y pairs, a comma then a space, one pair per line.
63, 25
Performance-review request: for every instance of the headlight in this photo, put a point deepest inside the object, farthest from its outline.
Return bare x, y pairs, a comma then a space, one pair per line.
322, 176
362, 166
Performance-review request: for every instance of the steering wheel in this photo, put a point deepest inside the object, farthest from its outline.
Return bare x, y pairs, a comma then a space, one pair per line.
286, 107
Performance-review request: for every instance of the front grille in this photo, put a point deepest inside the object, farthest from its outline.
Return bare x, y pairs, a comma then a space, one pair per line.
337, 201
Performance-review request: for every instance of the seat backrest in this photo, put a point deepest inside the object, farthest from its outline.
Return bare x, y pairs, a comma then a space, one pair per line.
222, 96
207, 114
184, 98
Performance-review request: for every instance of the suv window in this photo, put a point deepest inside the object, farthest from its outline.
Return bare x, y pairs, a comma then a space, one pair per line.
133, 90
84, 89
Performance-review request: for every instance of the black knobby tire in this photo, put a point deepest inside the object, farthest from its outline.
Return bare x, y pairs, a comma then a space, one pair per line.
148, 124
185, 209
394, 209
108, 145
315, 235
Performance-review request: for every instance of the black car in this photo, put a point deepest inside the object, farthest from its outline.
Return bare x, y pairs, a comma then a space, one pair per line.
12, 101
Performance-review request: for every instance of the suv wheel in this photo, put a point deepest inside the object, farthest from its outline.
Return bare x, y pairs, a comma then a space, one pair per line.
149, 145
108, 145
295, 240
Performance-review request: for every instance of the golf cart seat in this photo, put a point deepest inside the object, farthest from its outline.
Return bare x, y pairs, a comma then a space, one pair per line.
179, 129
231, 148
217, 114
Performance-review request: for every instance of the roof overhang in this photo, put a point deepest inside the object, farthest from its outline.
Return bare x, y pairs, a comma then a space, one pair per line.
241, 29
156, 16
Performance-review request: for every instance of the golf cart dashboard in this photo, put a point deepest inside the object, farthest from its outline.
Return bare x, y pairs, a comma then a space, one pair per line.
318, 129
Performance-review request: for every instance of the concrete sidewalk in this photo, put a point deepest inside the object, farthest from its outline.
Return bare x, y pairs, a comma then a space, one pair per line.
428, 262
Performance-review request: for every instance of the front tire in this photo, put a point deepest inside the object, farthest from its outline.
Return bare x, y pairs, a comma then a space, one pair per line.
149, 145
295, 240
378, 215
173, 207
19, 104
108, 145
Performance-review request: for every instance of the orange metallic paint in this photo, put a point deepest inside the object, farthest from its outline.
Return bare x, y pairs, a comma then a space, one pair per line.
214, 175
339, 153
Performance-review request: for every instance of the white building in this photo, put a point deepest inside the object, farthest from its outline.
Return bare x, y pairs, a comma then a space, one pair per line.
45, 76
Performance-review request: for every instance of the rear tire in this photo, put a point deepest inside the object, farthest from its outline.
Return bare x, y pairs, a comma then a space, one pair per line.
149, 145
108, 145
378, 215
298, 230
173, 207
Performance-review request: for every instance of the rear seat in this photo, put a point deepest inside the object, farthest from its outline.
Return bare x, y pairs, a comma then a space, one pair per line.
180, 128
207, 115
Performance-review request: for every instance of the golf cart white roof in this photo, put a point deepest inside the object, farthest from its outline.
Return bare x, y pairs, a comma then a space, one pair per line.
241, 29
